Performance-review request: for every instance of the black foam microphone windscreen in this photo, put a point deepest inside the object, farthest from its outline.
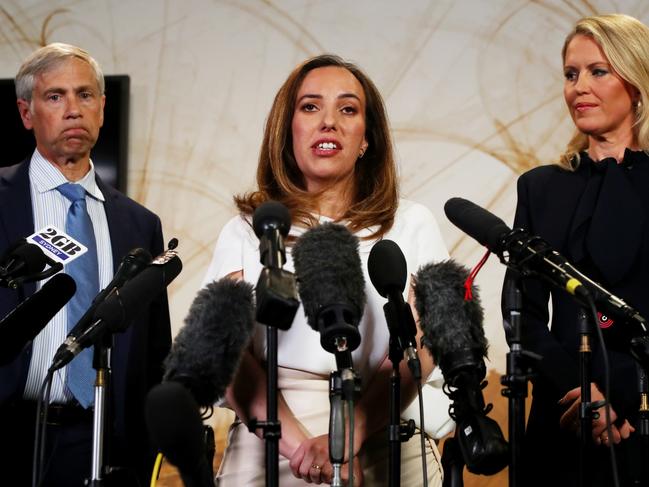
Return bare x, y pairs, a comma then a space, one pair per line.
208, 349
331, 283
22, 259
477, 222
176, 430
450, 324
30, 317
387, 267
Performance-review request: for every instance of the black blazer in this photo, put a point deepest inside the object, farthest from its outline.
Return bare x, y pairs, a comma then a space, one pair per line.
137, 353
596, 218
564, 208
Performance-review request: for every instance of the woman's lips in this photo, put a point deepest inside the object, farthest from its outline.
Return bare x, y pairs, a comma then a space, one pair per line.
582, 107
326, 147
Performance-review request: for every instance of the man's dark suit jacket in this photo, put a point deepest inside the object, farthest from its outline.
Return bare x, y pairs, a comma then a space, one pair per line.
137, 353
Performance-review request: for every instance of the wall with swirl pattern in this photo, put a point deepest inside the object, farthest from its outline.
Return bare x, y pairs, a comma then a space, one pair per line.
473, 90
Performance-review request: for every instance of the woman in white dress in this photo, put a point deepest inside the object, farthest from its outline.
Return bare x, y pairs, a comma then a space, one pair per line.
326, 155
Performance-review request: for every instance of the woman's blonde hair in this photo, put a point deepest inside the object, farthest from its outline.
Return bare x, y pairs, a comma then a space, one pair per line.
375, 197
625, 42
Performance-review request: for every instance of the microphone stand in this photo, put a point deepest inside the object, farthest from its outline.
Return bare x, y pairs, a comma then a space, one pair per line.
397, 432
277, 303
344, 386
643, 422
519, 371
586, 407
100, 363
336, 427
394, 427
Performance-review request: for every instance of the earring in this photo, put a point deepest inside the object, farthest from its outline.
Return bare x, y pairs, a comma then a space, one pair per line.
361, 153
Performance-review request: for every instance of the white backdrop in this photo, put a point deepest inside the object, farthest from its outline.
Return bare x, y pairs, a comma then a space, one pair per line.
473, 90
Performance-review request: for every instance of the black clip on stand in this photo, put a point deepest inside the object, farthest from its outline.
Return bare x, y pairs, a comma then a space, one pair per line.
520, 365
277, 303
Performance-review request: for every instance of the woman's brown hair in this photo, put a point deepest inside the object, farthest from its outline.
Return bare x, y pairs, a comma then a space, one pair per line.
279, 178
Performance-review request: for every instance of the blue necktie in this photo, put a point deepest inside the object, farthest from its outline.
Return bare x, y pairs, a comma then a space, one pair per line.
85, 272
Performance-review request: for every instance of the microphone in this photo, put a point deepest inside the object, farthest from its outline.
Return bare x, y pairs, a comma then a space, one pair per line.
176, 429
32, 315
454, 335
531, 255
276, 291
271, 222
136, 260
388, 272
24, 262
115, 313
331, 285
208, 349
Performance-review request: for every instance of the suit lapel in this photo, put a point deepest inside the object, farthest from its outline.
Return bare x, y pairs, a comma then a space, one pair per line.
116, 216
16, 214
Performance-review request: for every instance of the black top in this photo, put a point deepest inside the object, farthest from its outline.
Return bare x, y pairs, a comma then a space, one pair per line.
595, 217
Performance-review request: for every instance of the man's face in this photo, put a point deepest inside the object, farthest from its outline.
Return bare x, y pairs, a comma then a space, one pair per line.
66, 111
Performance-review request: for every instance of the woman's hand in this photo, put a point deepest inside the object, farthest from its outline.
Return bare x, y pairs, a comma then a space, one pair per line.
311, 463
570, 419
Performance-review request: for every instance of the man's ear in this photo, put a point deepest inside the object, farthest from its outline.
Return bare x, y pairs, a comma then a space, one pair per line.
103, 104
25, 113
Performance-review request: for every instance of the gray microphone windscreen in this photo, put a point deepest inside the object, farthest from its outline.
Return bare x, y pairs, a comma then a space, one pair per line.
208, 349
449, 323
329, 271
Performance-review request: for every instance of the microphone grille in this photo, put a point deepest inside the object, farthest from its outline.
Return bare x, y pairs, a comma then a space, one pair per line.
271, 214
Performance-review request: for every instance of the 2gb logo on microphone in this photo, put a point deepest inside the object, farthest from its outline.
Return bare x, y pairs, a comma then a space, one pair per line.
57, 244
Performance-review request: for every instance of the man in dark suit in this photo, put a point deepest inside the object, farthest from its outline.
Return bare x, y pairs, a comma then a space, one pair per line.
60, 91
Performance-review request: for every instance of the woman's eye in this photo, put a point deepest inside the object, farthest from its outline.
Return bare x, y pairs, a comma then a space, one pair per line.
349, 110
570, 75
599, 72
309, 107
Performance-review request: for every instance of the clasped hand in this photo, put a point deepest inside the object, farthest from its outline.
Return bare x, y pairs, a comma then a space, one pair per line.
570, 418
310, 462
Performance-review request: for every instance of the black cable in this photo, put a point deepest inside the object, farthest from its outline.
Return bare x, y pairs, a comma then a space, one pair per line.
422, 431
607, 390
350, 469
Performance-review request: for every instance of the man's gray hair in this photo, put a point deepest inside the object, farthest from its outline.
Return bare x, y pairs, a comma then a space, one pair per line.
47, 58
